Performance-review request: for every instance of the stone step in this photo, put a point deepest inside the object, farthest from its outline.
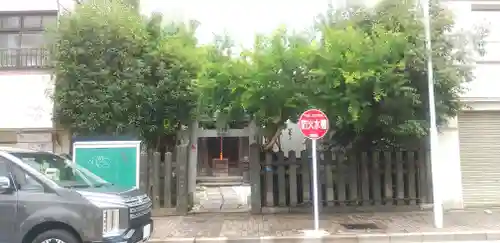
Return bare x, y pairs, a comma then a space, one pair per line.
222, 184
213, 179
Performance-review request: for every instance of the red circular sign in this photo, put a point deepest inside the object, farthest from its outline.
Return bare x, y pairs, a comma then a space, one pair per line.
313, 124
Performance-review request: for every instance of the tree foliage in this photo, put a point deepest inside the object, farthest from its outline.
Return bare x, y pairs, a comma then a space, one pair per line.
119, 73
364, 67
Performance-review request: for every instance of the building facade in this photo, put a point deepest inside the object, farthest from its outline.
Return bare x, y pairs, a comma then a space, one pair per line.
26, 82
470, 144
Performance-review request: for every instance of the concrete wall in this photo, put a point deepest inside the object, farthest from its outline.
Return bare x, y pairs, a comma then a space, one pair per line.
26, 109
25, 100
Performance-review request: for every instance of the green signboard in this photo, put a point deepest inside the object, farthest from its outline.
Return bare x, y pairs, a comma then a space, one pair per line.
114, 161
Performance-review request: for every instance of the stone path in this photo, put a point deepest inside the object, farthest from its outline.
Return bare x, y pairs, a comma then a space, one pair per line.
222, 199
236, 225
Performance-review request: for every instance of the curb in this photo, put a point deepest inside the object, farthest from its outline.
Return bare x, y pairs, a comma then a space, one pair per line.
349, 238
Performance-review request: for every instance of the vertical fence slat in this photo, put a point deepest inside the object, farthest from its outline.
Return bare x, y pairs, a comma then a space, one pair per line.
428, 173
422, 177
182, 180
143, 167
320, 178
156, 180
167, 181
330, 194
255, 169
305, 176
388, 178
269, 180
353, 178
292, 178
376, 185
340, 178
400, 189
281, 180
412, 192
149, 170
365, 183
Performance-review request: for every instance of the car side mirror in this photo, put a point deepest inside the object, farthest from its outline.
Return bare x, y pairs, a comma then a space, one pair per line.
5, 184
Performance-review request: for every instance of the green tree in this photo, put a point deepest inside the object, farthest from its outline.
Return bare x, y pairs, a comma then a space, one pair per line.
172, 61
380, 72
364, 67
217, 103
97, 55
265, 83
119, 73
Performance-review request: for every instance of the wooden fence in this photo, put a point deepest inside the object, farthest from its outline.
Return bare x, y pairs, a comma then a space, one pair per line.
364, 181
164, 179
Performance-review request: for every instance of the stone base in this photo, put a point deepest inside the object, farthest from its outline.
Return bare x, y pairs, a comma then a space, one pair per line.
220, 167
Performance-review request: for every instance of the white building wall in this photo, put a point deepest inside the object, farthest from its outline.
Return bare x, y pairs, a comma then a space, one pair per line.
25, 102
482, 94
485, 84
292, 139
26, 108
449, 166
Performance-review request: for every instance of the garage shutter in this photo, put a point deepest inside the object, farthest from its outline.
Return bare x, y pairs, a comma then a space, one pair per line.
479, 133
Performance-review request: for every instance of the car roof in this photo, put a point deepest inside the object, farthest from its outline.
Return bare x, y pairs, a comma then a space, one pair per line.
17, 150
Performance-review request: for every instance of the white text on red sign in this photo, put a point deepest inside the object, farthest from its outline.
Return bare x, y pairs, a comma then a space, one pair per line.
314, 124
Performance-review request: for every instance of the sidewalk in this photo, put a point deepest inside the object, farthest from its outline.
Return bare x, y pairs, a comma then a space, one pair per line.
386, 227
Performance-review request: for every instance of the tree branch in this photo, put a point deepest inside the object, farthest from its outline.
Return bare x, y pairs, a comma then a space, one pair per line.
275, 137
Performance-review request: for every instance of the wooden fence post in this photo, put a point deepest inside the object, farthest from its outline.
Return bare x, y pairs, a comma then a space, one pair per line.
281, 179
365, 179
167, 181
156, 180
340, 178
376, 184
255, 168
306, 182
292, 178
329, 179
422, 177
428, 170
269, 172
182, 206
388, 191
354, 197
400, 190
412, 186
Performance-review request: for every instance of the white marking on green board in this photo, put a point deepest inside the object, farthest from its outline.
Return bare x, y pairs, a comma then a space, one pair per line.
115, 161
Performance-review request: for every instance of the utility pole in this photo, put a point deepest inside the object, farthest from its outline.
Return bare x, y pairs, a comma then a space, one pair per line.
438, 203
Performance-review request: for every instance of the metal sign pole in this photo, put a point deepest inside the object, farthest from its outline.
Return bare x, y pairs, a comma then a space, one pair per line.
315, 185
313, 124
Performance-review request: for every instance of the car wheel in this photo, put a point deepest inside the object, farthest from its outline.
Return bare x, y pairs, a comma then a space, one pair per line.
55, 236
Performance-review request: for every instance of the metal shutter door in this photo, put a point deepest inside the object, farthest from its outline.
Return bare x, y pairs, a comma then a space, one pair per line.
479, 133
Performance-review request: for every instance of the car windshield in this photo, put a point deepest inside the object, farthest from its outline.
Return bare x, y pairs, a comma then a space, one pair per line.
60, 170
